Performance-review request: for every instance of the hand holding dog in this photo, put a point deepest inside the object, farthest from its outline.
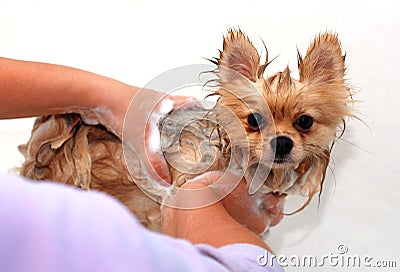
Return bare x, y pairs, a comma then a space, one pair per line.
37, 89
234, 219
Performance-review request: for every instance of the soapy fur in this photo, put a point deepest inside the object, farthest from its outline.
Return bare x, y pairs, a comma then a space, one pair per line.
64, 148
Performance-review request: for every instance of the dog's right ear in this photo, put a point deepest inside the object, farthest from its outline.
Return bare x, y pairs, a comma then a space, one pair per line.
238, 56
323, 63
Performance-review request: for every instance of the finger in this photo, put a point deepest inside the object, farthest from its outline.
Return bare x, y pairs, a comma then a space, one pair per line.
160, 167
154, 153
273, 205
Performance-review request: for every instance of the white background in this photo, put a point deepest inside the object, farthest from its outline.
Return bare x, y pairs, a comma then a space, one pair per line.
134, 41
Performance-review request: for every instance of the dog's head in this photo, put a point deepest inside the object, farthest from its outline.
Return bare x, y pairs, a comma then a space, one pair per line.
290, 124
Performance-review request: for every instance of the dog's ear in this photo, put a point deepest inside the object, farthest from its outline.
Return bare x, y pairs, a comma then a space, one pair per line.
323, 63
238, 56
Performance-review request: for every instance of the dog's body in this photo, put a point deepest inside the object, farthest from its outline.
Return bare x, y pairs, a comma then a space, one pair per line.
64, 149
289, 131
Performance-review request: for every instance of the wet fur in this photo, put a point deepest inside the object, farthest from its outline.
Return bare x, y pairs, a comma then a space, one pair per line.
320, 92
65, 149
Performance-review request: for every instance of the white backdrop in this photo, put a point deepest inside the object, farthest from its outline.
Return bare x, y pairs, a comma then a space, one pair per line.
134, 41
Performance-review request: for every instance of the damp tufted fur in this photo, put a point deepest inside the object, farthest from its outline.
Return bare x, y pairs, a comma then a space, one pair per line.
320, 92
64, 149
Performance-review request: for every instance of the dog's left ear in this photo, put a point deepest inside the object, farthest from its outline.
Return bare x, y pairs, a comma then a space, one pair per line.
239, 56
323, 63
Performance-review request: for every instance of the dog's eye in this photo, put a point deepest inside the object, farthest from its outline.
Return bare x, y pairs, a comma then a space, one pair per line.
304, 122
255, 120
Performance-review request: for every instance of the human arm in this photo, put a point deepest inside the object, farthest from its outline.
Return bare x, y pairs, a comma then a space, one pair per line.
221, 223
52, 227
33, 89
210, 225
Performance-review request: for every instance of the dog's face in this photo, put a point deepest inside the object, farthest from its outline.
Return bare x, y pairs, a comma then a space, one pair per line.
290, 124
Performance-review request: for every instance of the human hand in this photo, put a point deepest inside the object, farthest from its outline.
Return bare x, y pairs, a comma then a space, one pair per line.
152, 140
141, 133
256, 212
236, 218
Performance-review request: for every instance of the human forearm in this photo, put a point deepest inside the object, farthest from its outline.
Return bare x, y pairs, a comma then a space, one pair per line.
31, 89
211, 224
220, 229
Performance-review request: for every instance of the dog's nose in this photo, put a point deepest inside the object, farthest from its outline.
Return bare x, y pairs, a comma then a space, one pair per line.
282, 145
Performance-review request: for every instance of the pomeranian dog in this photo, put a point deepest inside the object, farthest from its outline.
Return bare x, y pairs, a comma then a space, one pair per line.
284, 127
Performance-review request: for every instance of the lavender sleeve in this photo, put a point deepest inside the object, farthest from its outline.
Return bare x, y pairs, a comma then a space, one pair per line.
52, 227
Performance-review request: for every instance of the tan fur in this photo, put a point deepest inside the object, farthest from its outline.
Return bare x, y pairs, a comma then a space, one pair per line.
320, 92
64, 149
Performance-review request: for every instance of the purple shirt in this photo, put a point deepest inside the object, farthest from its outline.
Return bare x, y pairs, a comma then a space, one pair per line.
47, 226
